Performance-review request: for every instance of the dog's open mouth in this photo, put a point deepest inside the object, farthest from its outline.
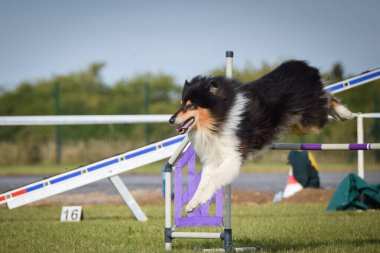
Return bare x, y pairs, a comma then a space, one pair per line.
185, 126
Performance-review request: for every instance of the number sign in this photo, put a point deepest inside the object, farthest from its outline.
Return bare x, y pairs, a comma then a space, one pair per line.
71, 213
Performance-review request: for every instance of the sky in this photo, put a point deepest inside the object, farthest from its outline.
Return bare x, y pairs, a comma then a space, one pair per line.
43, 38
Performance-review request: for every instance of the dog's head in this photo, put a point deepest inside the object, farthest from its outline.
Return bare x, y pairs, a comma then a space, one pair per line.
202, 101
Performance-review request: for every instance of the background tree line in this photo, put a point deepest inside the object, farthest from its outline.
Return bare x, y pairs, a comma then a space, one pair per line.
84, 93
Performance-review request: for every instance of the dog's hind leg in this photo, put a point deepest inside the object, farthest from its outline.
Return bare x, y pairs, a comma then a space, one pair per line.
338, 111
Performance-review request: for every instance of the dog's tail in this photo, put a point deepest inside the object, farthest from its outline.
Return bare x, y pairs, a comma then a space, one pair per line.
339, 111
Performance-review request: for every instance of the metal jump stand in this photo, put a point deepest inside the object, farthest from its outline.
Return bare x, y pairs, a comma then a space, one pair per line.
226, 235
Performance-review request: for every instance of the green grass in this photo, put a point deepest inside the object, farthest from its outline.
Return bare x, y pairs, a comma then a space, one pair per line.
274, 227
155, 168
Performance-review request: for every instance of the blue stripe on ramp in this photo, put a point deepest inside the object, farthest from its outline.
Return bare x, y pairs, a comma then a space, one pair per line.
336, 87
65, 177
34, 187
140, 152
364, 78
171, 142
102, 165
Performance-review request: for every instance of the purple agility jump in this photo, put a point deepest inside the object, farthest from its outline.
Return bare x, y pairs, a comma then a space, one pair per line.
201, 216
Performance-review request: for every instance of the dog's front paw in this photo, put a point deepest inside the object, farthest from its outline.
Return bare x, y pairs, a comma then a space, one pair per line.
205, 198
192, 206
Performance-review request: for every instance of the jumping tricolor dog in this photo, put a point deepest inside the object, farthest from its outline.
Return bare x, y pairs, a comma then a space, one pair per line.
226, 120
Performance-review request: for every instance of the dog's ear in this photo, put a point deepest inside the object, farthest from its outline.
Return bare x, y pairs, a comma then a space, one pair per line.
213, 87
186, 83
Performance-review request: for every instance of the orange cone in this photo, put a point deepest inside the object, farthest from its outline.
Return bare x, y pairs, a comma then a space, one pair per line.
292, 185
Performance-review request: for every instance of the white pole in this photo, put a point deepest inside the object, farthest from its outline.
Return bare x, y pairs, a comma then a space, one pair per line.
228, 247
177, 153
229, 63
168, 184
168, 211
360, 140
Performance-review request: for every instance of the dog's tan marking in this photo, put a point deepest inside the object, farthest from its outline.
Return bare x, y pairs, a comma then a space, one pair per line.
185, 115
298, 129
183, 112
334, 104
205, 119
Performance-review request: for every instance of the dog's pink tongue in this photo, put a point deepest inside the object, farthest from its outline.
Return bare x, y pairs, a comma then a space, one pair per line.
184, 127
187, 124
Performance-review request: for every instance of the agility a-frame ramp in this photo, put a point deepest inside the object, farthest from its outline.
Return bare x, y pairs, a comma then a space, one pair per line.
354, 82
109, 168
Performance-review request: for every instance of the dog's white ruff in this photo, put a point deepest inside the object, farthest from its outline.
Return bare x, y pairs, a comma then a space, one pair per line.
219, 155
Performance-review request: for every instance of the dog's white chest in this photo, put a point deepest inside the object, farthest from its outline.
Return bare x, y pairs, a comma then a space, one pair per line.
213, 149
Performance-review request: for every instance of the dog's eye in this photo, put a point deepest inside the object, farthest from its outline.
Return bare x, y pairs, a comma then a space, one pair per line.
191, 107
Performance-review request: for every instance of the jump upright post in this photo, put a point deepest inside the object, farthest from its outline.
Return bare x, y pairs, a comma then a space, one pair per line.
228, 247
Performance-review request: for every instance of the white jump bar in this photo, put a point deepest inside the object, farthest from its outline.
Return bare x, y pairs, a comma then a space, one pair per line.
196, 235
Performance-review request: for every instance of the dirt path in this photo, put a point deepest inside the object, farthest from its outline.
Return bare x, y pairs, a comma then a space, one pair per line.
145, 197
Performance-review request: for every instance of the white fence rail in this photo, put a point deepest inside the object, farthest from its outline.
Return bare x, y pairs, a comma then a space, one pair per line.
360, 138
82, 119
135, 119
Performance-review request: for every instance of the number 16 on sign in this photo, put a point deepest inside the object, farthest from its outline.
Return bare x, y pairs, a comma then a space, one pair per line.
71, 213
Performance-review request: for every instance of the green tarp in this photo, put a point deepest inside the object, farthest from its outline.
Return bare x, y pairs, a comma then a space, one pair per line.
354, 193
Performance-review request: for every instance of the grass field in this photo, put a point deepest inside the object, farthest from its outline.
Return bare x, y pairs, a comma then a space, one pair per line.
155, 168
106, 228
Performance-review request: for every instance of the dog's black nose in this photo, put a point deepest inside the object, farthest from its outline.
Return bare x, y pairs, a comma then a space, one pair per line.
172, 120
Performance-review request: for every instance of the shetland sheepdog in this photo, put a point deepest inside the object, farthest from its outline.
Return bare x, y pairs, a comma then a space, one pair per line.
226, 120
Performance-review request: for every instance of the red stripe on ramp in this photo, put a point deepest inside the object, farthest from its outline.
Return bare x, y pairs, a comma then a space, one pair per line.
20, 192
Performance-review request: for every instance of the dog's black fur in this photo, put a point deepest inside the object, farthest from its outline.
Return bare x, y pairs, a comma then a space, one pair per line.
227, 120
291, 95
